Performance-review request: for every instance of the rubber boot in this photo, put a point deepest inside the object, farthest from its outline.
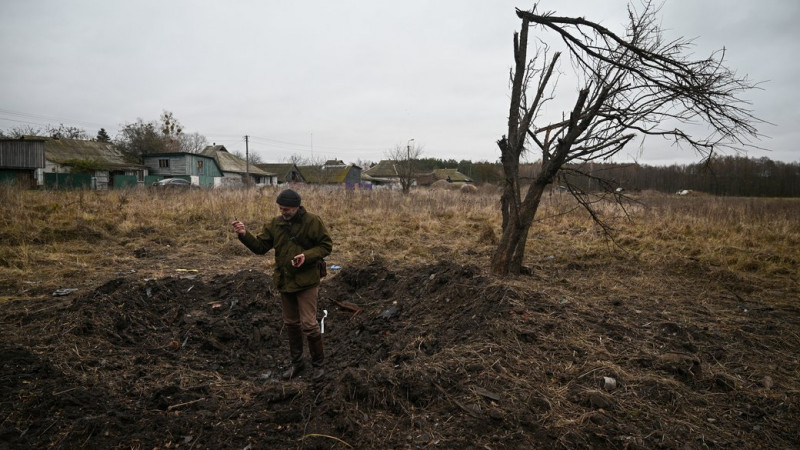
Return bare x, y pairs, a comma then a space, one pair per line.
295, 351
317, 357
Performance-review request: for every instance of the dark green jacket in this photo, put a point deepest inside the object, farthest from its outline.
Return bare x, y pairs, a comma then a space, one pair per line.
303, 233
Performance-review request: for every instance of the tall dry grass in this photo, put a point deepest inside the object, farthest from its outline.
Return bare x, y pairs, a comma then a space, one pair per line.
52, 238
751, 235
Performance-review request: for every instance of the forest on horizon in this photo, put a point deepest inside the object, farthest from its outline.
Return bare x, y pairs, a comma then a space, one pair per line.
737, 176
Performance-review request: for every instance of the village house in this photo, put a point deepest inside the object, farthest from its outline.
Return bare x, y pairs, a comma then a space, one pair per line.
384, 174
200, 170
235, 170
286, 172
93, 164
73, 163
333, 172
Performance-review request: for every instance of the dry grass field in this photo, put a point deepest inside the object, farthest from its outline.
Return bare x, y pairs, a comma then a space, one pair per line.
684, 331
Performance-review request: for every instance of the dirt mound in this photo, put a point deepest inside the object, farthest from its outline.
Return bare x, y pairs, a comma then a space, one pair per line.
437, 355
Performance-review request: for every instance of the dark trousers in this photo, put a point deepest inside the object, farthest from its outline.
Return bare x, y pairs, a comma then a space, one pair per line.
300, 309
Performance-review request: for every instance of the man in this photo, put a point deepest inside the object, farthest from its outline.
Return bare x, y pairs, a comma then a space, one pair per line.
301, 241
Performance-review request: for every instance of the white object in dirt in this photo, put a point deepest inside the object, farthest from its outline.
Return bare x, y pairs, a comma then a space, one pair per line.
322, 322
609, 383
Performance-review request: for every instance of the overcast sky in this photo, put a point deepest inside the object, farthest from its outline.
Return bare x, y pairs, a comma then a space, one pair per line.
345, 79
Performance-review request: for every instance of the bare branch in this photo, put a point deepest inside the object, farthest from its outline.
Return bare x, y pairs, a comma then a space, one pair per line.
631, 83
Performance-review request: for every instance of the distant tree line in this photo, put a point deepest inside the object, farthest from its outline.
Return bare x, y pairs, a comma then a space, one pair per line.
721, 175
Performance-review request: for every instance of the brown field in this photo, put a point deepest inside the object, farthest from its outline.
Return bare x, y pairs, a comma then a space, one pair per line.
682, 332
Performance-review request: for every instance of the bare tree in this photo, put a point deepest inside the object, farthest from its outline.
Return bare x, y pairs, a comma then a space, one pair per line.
67, 132
192, 142
171, 131
162, 136
636, 82
252, 157
300, 160
140, 138
60, 132
403, 158
20, 131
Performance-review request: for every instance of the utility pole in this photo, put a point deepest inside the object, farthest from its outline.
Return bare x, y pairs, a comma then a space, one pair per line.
408, 162
247, 159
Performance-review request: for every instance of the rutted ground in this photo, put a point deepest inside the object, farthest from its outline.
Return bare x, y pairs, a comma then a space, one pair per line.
439, 355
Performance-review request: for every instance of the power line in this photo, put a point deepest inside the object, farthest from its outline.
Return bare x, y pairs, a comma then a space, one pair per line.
259, 138
47, 118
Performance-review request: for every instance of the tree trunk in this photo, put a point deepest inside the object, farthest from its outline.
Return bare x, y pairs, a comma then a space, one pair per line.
510, 251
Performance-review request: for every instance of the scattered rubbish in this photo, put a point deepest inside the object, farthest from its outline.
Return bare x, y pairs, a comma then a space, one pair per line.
216, 306
390, 312
187, 270
125, 272
335, 267
188, 277
190, 288
63, 291
609, 383
322, 322
264, 376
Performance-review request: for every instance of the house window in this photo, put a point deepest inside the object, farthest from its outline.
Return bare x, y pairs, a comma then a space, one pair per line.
200, 165
163, 163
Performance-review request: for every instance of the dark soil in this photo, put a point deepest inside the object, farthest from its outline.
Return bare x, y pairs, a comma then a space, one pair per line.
436, 356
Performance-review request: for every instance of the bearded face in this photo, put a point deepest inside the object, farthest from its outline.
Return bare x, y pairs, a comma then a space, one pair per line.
287, 212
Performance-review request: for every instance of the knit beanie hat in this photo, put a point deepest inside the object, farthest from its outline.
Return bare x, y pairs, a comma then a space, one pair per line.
288, 198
